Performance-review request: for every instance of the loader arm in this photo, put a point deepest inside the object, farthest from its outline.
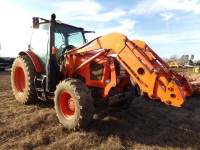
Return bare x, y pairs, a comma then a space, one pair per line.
146, 68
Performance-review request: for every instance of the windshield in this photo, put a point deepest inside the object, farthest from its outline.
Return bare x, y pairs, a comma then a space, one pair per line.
68, 35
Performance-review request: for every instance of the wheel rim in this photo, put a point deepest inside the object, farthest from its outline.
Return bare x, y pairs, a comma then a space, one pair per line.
19, 78
67, 105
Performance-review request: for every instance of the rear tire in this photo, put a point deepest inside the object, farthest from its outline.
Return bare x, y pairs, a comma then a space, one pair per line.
22, 80
73, 104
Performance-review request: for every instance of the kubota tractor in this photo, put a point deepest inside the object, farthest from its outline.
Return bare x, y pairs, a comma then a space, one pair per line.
60, 64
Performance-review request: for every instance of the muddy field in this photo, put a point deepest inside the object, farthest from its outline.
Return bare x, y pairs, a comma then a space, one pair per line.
146, 124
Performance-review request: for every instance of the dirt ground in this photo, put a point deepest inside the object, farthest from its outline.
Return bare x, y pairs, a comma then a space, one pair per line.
146, 124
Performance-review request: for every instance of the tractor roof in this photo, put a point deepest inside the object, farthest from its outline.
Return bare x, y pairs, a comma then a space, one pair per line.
58, 21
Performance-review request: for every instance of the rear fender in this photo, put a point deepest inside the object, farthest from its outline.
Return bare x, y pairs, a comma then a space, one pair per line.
34, 59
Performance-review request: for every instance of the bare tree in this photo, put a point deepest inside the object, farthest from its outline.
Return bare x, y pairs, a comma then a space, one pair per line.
166, 59
184, 59
173, 58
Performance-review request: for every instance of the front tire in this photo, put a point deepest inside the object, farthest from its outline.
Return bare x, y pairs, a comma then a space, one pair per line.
73, 104
124, 104
128, 101
22, 80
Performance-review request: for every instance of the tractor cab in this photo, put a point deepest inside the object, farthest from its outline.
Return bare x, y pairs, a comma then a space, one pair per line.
64, 37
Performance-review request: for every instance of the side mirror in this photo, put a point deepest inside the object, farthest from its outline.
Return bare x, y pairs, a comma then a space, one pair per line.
36, 23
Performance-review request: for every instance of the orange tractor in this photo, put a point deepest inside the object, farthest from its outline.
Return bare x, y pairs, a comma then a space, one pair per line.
60, 64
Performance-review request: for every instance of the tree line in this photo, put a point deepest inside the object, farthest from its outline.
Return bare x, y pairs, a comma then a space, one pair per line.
183, 60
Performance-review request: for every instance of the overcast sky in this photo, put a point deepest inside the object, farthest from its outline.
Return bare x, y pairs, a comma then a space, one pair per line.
168, 26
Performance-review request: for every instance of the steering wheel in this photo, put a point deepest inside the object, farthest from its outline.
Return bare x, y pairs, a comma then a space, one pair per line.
67, 48
62, 47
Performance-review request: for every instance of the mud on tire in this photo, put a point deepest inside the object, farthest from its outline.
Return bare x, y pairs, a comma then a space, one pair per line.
22, 80
73, 104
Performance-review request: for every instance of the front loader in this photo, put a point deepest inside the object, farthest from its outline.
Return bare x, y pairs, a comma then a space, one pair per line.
61, 65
